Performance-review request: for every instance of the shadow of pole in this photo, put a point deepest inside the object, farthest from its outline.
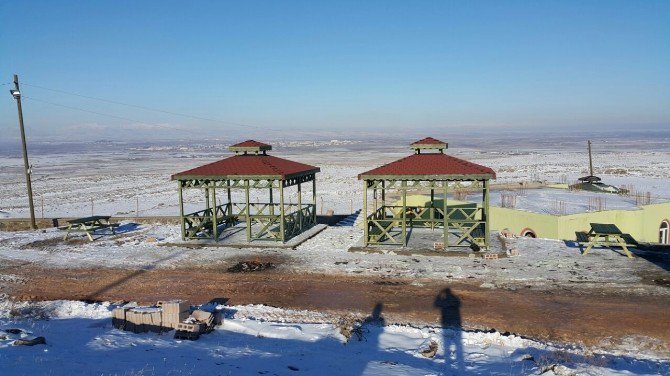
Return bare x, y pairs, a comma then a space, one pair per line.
450, 310
94, 295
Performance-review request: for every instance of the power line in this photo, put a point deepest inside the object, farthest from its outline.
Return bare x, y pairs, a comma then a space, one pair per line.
102, 114
150, 108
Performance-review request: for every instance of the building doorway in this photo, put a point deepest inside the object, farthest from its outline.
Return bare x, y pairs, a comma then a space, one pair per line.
664, 232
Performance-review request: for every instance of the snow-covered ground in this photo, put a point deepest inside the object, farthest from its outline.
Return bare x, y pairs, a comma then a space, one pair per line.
121, 179
259, 340
542, 263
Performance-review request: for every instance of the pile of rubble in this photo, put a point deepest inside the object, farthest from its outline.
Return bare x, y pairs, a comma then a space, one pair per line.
251, 266
163, 317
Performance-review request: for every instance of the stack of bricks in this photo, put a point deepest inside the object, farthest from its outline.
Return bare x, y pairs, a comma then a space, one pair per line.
490, 256
167, 315
199, 322
119, 317
142, 320
174, 312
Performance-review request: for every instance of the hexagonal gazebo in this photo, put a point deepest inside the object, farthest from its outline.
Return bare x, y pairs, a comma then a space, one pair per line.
251, 168
428, 169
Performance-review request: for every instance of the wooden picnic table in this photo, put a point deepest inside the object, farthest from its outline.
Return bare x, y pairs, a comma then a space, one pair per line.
608, 235
89, 225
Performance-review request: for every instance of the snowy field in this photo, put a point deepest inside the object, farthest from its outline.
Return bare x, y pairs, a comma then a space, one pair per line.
117, 178
113, 178
542, 263
259, 340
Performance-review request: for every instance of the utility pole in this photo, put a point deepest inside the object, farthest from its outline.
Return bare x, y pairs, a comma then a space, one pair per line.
590, 160
16, 93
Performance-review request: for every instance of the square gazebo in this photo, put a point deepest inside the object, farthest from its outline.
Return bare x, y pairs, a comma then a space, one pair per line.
250, 169
429, 168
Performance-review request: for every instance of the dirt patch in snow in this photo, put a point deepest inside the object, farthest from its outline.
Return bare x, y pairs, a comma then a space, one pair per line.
560, 315
46, 244
251, 266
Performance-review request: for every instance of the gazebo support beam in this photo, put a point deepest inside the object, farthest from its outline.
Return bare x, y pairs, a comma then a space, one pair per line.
215, 221
432, 208
445, 207
281, 211
314, 198
485, 213
272, 207
404, 213
299, 207
365, 213
247, 210
181, 211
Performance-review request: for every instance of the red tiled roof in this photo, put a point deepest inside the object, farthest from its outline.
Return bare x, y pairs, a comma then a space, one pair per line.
249, 144
249, 165
437, 164
429, 141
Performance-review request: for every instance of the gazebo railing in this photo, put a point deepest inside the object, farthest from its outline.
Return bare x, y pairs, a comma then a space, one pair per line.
200, 224
299, 220
464, 221
266, 216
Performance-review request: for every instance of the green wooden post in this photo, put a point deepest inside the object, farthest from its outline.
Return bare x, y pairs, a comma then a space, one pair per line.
281, 210
230, 201
404, 212
248, 209
445, 207
432, 208
485, 210
314, 198
383, 193
272, 207
299, 208
374, 195
365, 213
215, 222
207, 205
181, 211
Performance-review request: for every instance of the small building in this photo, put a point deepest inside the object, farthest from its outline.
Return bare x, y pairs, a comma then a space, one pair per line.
646, 223
428, 169
556, 213
251, 168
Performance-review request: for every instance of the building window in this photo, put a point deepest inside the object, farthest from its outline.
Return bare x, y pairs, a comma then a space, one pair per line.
529, 233
664, 232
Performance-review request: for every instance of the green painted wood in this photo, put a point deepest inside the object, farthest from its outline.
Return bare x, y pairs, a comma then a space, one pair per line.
215, 222
282, 213
605, 229
248, 211
366, 237
404, 217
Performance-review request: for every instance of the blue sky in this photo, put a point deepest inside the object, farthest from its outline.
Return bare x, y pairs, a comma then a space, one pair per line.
336, 66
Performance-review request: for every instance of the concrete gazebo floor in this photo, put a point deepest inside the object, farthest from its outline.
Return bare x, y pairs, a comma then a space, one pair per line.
236, 237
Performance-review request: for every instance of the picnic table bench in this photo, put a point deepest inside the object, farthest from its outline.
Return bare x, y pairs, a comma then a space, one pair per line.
608, 235
89, 225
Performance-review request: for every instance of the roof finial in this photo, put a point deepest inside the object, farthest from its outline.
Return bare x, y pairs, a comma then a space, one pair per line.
250, 146
429, 143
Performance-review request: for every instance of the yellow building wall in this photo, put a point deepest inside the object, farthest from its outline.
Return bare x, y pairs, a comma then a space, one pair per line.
543, 225
652, 217
643, 223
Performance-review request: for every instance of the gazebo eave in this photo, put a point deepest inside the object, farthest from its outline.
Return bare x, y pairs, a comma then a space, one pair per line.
451, 177
246, 177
